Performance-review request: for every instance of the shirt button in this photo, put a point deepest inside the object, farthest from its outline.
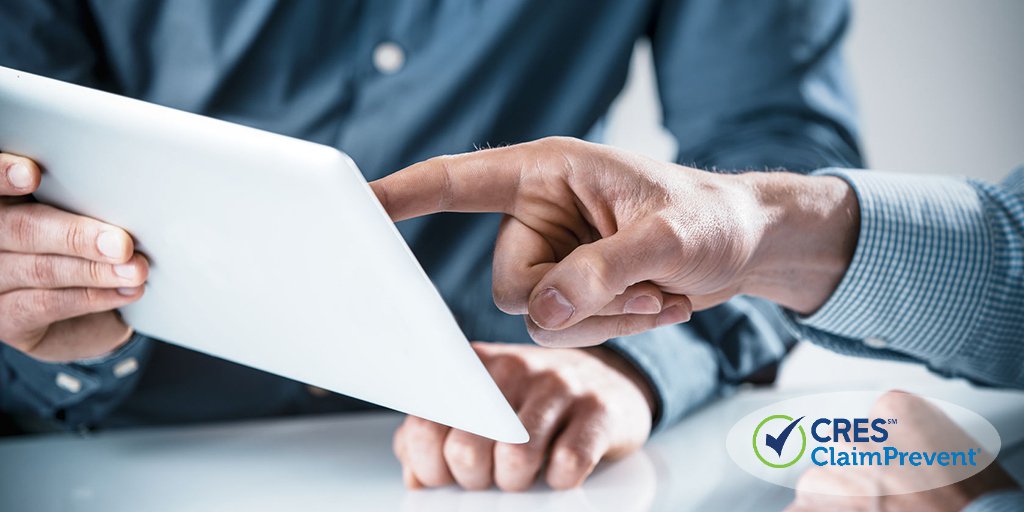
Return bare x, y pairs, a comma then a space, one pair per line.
388, 57
126, 367
877, 343
68, 383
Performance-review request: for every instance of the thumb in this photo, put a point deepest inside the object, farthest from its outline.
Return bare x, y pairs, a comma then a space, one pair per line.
19, 176
590, 277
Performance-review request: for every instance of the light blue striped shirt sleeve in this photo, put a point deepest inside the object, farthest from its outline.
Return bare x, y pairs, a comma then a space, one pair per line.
998, 501
937, 277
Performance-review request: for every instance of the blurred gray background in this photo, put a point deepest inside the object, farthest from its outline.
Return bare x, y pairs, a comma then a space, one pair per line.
940, 86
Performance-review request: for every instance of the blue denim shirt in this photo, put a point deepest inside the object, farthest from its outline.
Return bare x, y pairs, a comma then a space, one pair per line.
745, 84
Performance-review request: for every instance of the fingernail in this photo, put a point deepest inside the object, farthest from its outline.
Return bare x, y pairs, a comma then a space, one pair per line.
19, 176
551, 309
673, 315
128, 292
112, 244
642, 305
126, 271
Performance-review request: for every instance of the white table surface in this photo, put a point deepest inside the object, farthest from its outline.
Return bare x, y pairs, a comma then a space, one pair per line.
344, 462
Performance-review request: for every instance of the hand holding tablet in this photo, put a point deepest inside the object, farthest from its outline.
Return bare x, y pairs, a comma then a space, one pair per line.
61, 275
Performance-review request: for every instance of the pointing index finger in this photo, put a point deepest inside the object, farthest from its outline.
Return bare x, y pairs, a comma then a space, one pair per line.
482, 181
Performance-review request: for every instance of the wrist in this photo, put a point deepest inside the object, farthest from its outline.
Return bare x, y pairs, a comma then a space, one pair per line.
808, 235
627, 369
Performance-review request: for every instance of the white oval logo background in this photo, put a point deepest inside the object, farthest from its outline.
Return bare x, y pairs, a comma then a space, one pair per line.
782, 451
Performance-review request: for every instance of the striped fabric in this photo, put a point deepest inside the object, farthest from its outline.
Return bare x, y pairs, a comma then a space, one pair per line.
937, 277
999, 501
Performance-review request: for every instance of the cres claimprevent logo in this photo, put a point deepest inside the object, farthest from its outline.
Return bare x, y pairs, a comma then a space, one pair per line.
918, 443
771, 437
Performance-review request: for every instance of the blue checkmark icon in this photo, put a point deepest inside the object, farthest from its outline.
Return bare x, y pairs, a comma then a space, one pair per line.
776, 443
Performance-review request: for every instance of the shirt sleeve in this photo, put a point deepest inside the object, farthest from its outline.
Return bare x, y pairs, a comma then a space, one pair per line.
754, 85
937, 276
44, 396
999, 501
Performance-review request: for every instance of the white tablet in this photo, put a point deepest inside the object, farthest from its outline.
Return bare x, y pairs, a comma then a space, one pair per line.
265, 250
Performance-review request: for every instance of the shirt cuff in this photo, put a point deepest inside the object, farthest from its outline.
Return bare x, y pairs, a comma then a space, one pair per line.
998, 501
55, 393
922, 240
681, 369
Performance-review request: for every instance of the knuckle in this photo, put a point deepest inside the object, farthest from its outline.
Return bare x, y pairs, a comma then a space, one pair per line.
516, 458
535, 420
627, 325
556, 152
595, 269
38, 303
545, 142
41, 271
507, 366
553, 382
75, 238
445, 162
414, 425
541, 424
20, 225
662, 225
572, 463
96, 272
89, 295
664, 228
424, 434
559, 141
593, 403
573, 458
462, 455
